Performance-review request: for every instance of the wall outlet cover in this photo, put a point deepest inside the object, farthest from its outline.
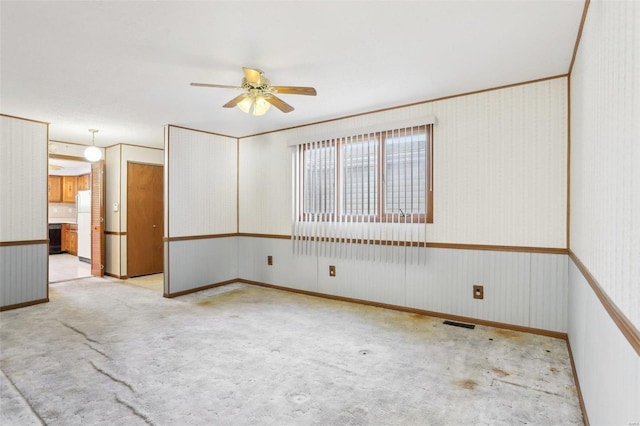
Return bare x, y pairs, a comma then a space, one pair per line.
478, 292
332, 271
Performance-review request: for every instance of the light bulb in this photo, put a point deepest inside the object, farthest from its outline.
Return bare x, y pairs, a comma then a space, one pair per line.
245, 104
261, 106
93, 153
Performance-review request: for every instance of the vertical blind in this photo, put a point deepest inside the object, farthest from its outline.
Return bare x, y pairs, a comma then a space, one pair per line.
355, 193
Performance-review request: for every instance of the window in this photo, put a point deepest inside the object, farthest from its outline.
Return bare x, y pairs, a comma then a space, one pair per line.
382, 177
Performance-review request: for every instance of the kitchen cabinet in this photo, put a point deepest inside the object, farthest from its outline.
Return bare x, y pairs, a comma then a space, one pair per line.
55, 189
63, 238
69, 189
72, 239
84, 182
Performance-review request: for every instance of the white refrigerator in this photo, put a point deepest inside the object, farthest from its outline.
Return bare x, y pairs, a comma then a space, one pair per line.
83, 206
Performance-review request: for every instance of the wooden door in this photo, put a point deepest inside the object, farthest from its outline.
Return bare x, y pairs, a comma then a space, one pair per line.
144, 219
97, 218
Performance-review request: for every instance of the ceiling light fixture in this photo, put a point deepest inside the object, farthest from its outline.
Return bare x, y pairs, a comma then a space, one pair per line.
255, 103
93, 153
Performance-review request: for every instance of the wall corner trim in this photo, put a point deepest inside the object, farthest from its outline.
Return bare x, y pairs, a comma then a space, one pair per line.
624, 324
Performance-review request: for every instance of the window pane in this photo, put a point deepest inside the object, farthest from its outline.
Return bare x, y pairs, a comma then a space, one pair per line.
359, 176
319, 178
406, 171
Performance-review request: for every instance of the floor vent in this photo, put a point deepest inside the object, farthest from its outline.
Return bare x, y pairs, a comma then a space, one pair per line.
460, 324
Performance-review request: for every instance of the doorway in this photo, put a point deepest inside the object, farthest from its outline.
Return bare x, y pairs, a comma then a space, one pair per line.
73, 185
145, 219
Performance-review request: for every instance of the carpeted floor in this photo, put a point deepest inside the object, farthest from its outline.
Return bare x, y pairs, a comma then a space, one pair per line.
106, 353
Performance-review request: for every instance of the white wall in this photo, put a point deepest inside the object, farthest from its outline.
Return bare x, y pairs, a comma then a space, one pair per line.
605, 151
69, 149
500, 161
608, 368
23, 216
112, 226
605, 208
117, 157
500, 178
200, 209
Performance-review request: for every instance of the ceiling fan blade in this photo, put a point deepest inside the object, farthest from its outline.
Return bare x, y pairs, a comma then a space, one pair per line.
252, 76
293, 90
222, 86
279, 103
235, 101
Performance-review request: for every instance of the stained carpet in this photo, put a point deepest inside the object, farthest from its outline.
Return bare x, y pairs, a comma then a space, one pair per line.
106, 353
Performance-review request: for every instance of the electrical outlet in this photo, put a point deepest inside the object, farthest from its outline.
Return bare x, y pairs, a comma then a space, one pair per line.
478, 292
269, 260
332, 271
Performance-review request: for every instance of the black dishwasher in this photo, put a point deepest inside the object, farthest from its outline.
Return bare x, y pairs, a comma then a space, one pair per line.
55, 238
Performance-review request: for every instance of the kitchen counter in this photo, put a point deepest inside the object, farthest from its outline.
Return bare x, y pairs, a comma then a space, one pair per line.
62, 220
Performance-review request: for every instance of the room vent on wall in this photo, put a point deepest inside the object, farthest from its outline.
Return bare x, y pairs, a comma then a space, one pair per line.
460, 324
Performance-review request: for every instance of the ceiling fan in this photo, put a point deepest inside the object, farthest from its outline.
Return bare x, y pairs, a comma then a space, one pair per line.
260, 94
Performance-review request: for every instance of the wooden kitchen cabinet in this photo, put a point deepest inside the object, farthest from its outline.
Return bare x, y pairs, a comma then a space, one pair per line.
69, 189
64, 236
55, 189
83, 182
72, 239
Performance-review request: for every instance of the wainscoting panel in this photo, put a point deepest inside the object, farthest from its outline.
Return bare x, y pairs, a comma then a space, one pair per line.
112, 257
607, 366
202, 262
376, 281
23, 273
549, 292
445, 284
288, 269
523, 289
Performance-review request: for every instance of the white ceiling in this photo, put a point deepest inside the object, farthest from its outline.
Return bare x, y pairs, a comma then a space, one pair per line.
125, 67
64, 167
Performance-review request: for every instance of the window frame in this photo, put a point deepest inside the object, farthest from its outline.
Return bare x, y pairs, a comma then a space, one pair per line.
380, 216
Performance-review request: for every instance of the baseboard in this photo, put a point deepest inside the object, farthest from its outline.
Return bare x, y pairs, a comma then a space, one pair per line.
120, 277
585, 418
24, 304
531, 330
458, 318
197, 289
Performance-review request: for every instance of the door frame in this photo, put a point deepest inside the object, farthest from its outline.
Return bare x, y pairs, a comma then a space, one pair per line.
145, 163
102, 247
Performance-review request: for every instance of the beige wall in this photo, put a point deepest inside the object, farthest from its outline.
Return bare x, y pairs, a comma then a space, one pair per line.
500, 167
201, 202
605, 209
117, 157
23, 215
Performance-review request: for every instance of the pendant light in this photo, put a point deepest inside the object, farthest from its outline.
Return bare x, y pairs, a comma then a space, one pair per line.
93, 153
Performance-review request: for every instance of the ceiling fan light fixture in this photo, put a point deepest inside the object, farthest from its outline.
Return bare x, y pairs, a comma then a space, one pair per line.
261, 106
246, 104
260, 94
93, 153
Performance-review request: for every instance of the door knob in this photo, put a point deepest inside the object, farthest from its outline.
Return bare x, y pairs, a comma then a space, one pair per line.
154, 226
